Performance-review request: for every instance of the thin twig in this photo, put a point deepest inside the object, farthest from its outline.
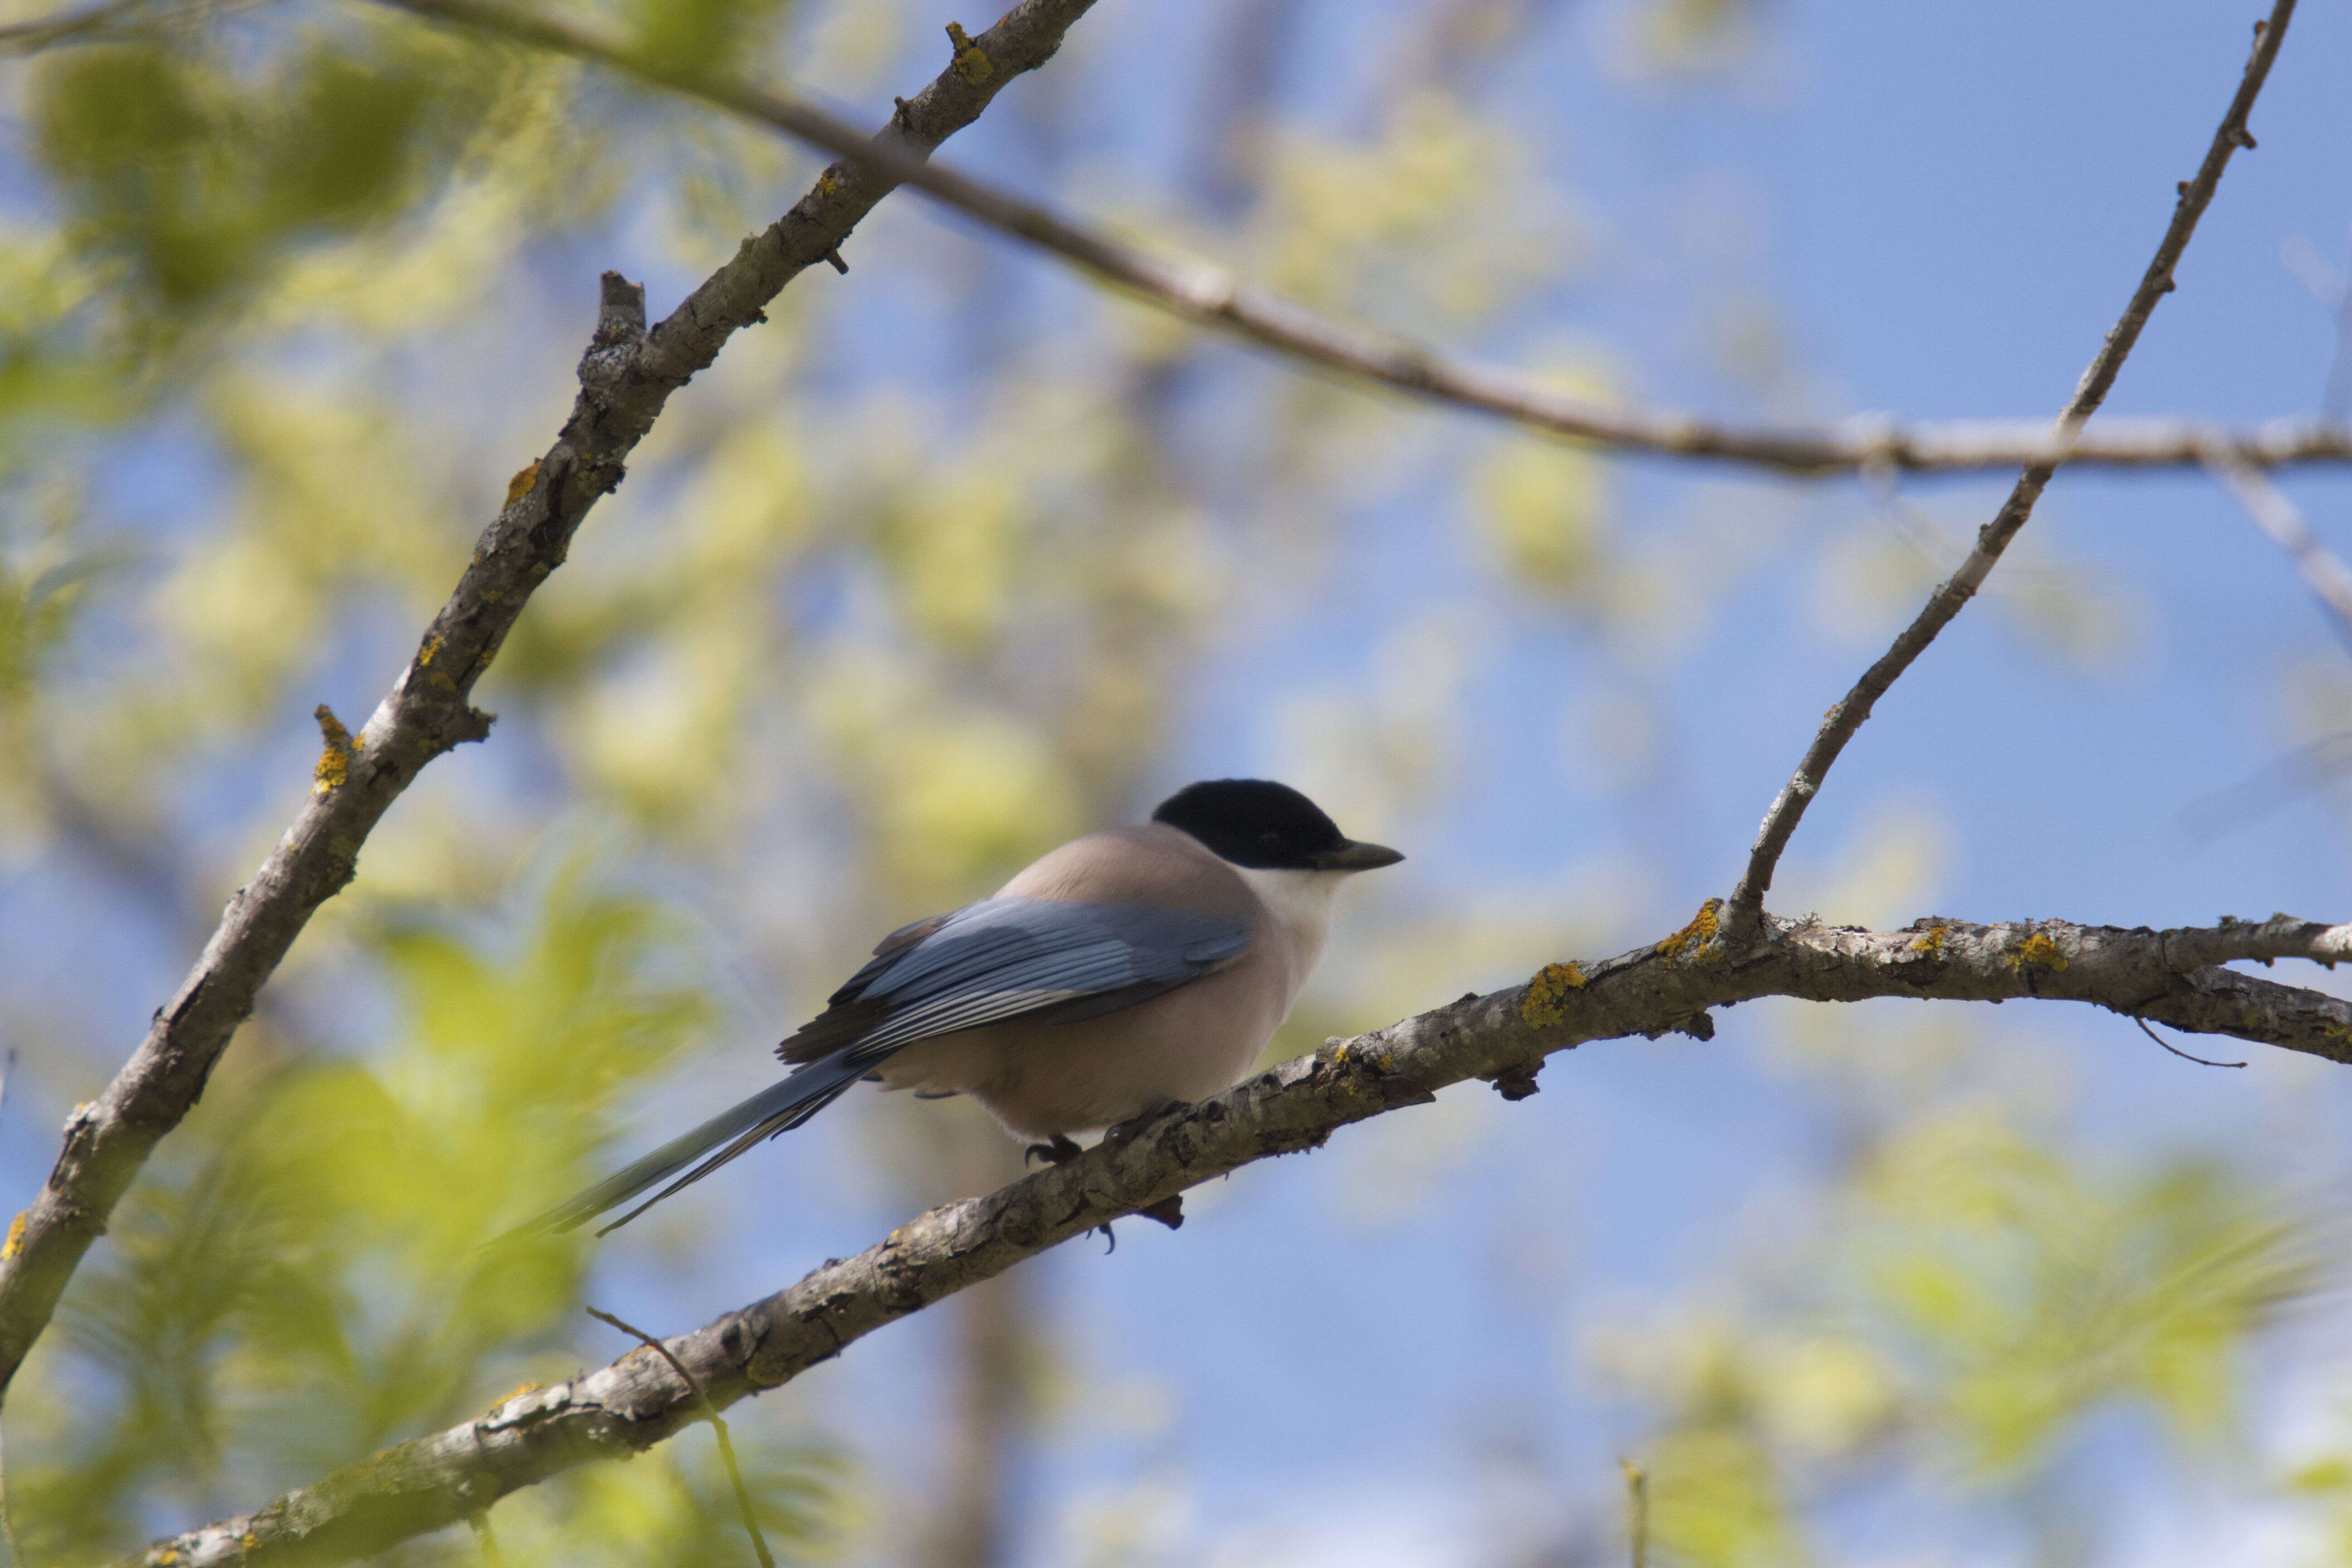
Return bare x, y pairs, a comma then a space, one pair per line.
1213, 297
7, 1511
2309, 767
718, 1424
109, 21
1637, 1500
625, 380
2329, 580
1838, 726
8, 1516
2176, 1050
486, 1539
62, 27
2175, 978
2333, 288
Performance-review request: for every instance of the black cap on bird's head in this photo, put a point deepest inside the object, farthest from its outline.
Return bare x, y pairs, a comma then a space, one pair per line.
1265, 826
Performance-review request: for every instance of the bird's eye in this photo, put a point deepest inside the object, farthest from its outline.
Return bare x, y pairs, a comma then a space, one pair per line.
1270, 840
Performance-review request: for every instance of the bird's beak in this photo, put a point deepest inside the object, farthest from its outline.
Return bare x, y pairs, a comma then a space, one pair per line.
1354, 856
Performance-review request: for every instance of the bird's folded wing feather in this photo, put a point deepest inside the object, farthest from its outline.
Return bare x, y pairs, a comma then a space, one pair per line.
1008, 957
1005, 958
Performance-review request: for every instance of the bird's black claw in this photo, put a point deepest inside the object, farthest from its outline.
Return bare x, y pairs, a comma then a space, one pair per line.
1055, 1150
1133, 1126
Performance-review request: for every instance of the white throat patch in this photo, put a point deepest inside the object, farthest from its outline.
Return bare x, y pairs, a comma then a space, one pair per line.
1300, 902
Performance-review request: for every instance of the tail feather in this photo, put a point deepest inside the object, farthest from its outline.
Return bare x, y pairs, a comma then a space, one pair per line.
776, 1109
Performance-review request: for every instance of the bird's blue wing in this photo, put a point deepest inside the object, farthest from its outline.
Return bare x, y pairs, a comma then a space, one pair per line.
1008, 957
1004, 958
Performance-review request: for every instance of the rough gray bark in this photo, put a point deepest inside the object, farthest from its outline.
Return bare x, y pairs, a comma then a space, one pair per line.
1838, 726
1213, 297
625, 378
2166, 976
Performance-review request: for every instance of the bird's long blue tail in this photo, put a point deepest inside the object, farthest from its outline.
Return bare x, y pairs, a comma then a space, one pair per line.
776, 1109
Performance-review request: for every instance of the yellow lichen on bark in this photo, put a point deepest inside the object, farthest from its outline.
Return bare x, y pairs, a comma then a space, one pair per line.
2036, 951
1543, 1006
16, 1242
1695, 936
334, 767
520, 486
972, 62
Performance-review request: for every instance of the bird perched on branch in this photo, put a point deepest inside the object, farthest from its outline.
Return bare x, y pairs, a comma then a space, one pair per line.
1119, 975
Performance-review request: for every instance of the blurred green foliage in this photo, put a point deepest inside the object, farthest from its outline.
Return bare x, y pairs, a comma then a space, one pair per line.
1967, 1302
300, 1279
188, 172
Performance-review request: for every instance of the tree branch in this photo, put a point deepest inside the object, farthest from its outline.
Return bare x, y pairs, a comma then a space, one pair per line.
2270, 509
2169, 977
112, 22
84, 24
1213, 297
1838, 726
625, 377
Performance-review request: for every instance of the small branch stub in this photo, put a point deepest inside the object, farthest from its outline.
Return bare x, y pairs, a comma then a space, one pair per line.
1515, 1083
334, 767
620, 331
520, 485
972, 62
620, 310
1637, 1511
1167, 1211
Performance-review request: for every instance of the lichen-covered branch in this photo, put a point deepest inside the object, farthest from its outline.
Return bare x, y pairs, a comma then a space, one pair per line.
1213, 297
1838, 726
2165, 976
625, 377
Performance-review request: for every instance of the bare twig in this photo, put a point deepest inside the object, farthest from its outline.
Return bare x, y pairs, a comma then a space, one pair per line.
64, 27
1637, 1511
7, 1510
486, 1539
2283, 779
718, 1424
110, 21
2329, 580
1838, 726
2171, 976
2332, 289
1211, 296
2150, 1031
7, 1514
625, 378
